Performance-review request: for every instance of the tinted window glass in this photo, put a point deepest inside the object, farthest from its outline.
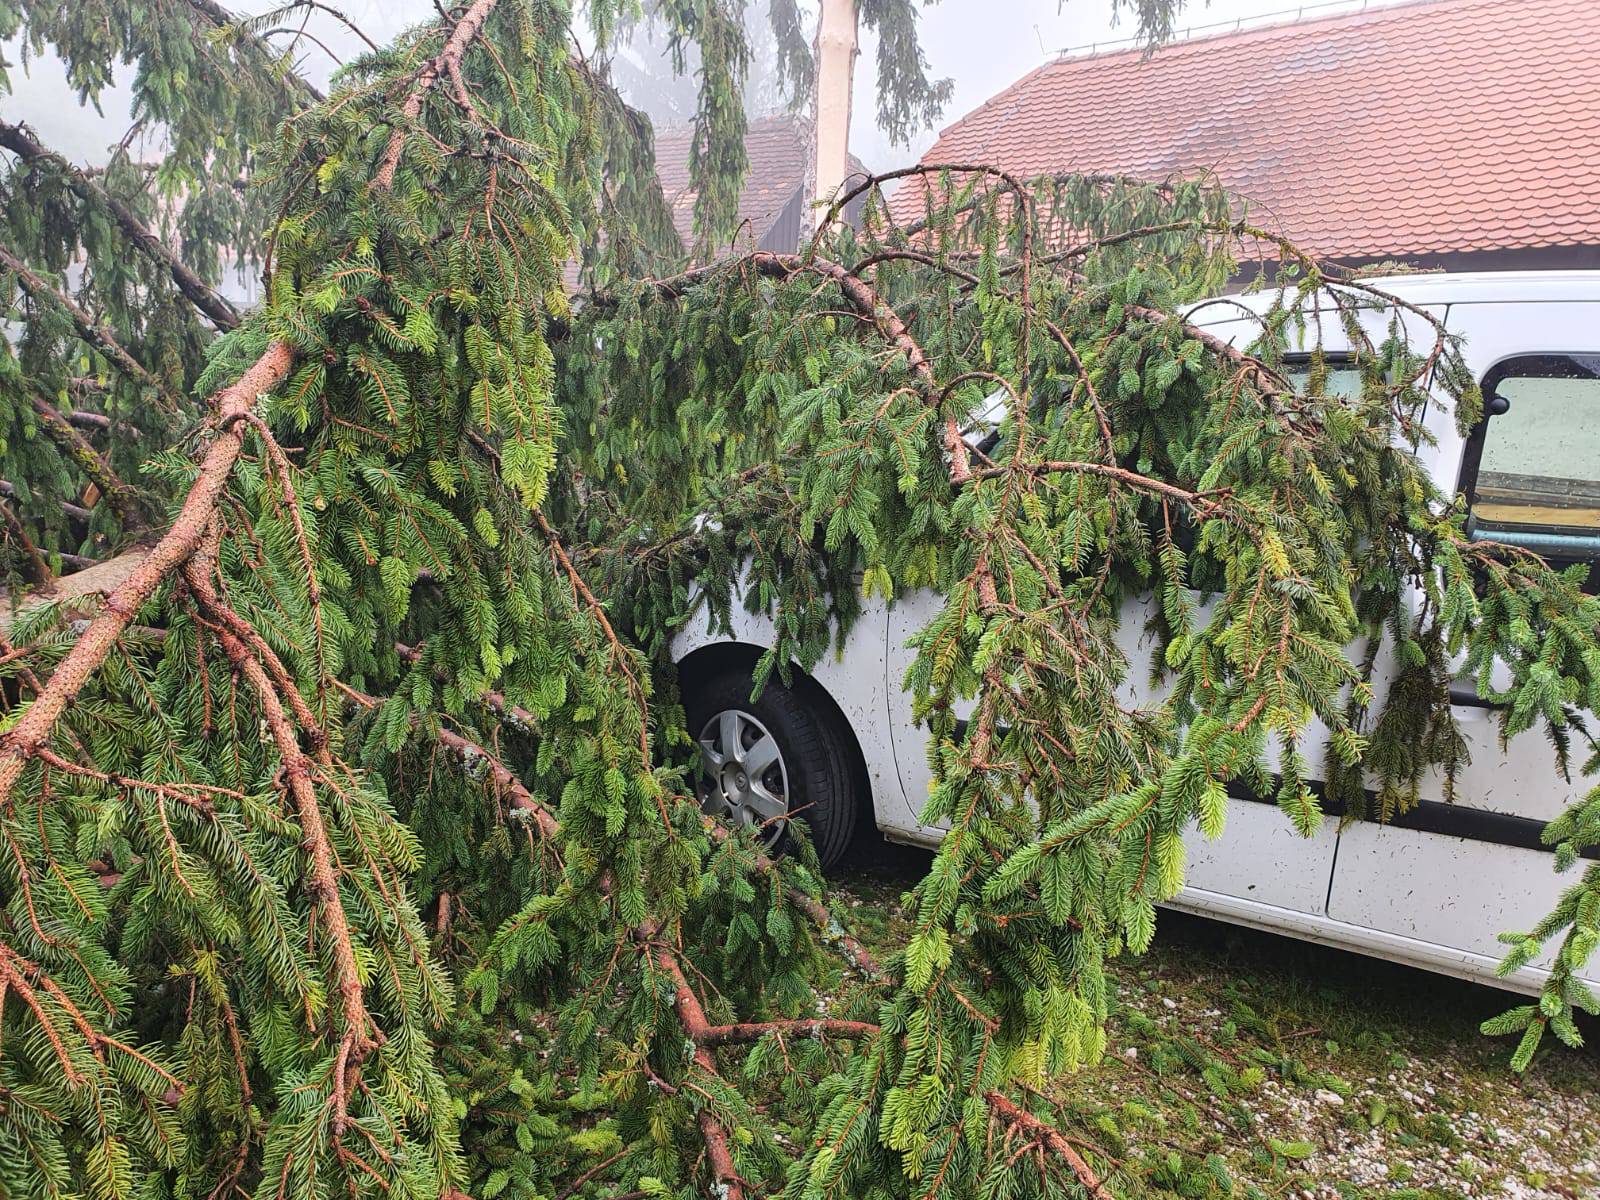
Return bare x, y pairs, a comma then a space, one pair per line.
1342, 381
1540, 467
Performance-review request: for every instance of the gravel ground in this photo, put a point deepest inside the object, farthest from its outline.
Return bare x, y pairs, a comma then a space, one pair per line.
1242, 1064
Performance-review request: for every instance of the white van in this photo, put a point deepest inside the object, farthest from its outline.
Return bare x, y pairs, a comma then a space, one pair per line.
1431, 889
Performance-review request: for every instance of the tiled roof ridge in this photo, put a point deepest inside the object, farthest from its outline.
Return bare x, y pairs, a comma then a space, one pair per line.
1423, 127
778, 146
1185, 46
1298, 26
782, 117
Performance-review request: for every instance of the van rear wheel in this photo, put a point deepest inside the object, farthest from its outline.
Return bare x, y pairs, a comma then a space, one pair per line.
766, 762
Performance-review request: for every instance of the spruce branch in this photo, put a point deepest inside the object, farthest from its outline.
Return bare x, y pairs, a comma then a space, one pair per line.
19, 976
337, 14
827, 927
123, 498
692, 1017
470, 751
356, 1029
92, 331
861, 296
18, 533
753, 1031
620, 655
1203, 503
227, 24
185, 536
446, 63
182, 539
291, 505
1050, 1138
22, 142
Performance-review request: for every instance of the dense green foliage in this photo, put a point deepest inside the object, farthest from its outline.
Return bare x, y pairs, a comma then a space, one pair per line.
347, 847
1135, 459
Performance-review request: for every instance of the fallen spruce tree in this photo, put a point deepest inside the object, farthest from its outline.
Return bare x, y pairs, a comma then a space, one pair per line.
348, 849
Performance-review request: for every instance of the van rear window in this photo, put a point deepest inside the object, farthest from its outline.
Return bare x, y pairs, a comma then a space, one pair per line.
1540, 464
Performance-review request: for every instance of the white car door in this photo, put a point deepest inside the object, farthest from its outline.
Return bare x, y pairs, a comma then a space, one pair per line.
1260, 865
1260, 859
1459, 874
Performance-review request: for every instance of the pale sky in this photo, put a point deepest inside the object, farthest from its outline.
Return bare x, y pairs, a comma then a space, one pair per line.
983, 45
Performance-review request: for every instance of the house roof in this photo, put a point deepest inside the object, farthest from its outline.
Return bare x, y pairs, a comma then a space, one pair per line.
1422, 128
779, 150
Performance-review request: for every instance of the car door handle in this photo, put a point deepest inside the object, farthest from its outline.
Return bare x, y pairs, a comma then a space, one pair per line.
1465, 694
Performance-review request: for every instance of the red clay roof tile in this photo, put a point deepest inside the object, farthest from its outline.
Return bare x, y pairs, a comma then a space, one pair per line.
779, 149
1427, 127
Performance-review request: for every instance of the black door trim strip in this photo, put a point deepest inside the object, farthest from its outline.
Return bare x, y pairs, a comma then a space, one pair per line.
1435, 816
1429, 816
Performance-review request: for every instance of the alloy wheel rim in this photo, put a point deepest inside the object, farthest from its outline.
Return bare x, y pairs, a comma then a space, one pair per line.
743, 777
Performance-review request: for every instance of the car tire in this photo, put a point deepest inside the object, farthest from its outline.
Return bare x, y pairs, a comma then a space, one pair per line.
817, 772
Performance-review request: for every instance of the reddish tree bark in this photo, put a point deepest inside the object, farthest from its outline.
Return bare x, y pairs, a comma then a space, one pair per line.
693, 1019
230, 406
448, 63
175, 548
1046, 1136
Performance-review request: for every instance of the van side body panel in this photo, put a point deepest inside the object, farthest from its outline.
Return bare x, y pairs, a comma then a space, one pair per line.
1424, 898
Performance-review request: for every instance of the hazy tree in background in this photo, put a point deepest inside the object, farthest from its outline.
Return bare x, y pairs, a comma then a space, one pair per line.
643, 70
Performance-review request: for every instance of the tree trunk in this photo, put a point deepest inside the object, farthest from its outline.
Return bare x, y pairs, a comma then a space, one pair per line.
836, 68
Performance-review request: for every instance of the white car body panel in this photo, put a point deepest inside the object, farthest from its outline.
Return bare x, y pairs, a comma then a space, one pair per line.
1427, 899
